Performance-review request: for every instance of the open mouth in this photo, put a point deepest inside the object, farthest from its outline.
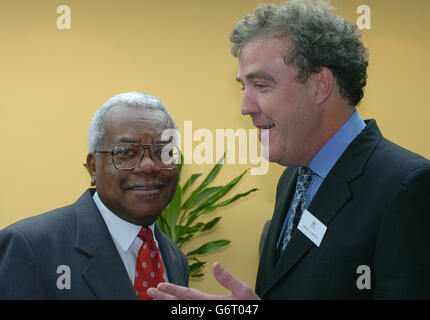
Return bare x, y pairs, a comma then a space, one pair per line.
263, 128
267, 127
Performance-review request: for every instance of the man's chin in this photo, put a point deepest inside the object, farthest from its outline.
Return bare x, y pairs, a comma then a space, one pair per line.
282, 161
273, 157
139, 214
144, 219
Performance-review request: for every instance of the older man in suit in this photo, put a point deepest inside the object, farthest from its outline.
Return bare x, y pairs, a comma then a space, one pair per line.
106, 245
352, 209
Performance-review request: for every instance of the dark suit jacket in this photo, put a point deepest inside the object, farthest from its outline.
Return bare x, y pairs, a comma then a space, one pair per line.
375, 203
75, 236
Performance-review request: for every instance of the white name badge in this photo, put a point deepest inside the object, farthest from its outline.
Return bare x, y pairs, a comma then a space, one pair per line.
312, 227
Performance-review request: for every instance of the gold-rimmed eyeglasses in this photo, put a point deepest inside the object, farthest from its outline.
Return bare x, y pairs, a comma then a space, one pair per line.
128, 156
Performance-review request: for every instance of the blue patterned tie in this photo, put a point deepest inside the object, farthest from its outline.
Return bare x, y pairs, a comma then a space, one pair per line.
298, 204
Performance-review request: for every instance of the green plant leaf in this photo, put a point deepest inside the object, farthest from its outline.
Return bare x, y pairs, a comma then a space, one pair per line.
209, 247
185, 233
190, 182
195, 276
210, 224
196, 266
182, 240
191, 219
218, 195
161, 221
186, 230
205, 194
209, 178
227, 202
180, 164
171, 213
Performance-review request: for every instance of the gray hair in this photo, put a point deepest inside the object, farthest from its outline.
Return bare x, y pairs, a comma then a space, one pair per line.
319, 38
97, 126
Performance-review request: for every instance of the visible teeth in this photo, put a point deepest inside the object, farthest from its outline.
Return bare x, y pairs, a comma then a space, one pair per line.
268, 127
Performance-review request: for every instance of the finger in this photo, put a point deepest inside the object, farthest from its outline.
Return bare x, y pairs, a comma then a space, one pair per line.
183, 293
239, 289
156, 294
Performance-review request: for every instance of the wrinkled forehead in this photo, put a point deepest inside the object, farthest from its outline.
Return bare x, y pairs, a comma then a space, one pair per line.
135, 124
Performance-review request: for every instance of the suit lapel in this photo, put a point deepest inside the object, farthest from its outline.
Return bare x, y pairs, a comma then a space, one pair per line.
269, 255
103, 270
106, 275
332, 195
299, 244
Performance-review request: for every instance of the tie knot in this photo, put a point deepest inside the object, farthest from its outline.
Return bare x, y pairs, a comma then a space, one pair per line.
304, 179
145, 234
305, 171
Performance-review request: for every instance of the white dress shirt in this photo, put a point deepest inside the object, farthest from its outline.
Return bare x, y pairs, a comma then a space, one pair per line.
124, 235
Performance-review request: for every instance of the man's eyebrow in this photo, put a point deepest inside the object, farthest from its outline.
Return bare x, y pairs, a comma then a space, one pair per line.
128, 140
259, 74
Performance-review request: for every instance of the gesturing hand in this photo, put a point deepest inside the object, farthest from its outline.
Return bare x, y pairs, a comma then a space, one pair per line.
239, 290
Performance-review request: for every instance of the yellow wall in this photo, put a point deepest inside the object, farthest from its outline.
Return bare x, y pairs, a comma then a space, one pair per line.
52, 81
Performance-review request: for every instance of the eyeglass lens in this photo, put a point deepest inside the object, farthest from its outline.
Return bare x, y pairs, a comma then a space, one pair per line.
128, 156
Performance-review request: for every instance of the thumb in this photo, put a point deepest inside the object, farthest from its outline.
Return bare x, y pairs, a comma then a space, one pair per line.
239, 289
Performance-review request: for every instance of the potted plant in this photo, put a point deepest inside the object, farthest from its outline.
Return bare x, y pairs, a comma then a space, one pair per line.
180, 220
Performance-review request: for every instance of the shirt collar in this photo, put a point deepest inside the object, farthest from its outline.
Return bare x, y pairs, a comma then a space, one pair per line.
325, 159
123, 232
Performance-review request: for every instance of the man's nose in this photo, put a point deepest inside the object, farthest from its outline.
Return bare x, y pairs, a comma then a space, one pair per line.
249, 103
146, 165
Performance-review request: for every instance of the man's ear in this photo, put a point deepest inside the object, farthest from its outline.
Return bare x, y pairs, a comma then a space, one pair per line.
323, 82
91, 164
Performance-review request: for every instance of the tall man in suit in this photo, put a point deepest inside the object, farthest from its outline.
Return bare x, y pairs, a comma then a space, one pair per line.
352, 211
106, 245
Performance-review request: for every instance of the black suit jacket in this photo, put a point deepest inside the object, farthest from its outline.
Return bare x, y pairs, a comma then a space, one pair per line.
375, 203
75, 236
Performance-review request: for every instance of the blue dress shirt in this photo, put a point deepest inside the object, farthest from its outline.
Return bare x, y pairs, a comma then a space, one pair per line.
325, 159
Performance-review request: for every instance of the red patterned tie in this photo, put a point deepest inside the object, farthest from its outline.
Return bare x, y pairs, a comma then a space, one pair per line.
149, 266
